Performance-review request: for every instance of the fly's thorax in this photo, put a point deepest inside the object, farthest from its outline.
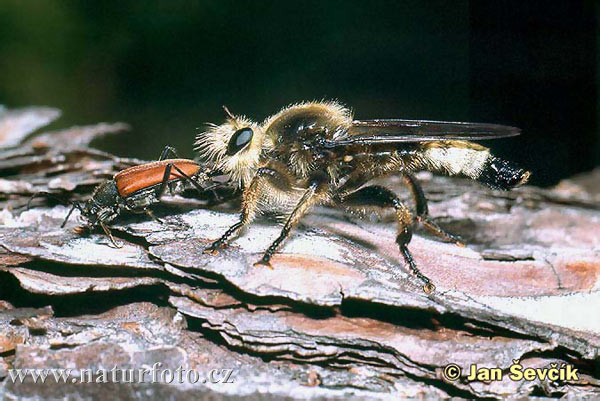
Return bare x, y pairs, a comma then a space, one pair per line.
297, 129
239, 146
277, 201
303, 121
234, 148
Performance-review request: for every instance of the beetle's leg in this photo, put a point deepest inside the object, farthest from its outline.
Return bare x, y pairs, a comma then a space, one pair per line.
160, 191
315, 193
110, 236
423, 211
192, 179
250, 200
168, 152
76, 205
64, 223
153, 216
377, 196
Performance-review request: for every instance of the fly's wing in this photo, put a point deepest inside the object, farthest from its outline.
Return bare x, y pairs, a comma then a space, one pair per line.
371, 132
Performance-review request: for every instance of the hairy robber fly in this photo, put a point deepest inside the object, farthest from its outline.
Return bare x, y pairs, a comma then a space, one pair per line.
316, 154
136, 188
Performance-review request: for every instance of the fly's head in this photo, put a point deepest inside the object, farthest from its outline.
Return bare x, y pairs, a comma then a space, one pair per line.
233, 148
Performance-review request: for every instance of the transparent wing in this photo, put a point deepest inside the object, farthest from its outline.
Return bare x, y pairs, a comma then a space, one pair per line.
367, 132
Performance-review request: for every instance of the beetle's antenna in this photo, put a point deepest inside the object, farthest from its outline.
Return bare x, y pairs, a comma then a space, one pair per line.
77, 206
31, 200
48, 194
229, 113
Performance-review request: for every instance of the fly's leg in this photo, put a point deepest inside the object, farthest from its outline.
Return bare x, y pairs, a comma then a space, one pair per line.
110, 236
423, 211
250, 200
378, 196
315, 193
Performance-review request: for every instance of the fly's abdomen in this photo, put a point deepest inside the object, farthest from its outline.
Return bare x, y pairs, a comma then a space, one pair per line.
502, 174
470, 160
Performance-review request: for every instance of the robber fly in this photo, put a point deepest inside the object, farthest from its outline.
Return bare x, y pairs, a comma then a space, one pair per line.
136, 188
315, 154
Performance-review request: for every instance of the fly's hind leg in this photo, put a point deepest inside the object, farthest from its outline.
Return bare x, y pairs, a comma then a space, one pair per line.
316, 192
423, 211
250, 200
378, 196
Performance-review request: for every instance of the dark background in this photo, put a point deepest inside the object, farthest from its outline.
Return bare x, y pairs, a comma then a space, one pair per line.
168, 66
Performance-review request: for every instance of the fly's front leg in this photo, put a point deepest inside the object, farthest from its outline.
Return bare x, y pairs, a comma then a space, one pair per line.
250, 200
423, 211
377, 196
316, 192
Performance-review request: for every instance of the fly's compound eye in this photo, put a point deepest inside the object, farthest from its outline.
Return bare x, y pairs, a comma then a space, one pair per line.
239, 140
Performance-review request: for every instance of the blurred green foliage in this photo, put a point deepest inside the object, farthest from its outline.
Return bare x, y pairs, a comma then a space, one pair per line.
166, 67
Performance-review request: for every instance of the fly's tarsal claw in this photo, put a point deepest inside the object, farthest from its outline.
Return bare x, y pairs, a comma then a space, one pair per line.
428, 288
213, 251
263, 263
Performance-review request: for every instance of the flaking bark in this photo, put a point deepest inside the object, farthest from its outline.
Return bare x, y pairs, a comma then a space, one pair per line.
339, 315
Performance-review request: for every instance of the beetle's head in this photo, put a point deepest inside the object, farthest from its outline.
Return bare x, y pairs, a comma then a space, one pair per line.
102, 207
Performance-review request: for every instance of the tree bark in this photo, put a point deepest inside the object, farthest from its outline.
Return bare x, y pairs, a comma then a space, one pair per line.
339, 315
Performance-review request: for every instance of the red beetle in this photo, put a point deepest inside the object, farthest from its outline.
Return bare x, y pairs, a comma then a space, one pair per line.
136, 188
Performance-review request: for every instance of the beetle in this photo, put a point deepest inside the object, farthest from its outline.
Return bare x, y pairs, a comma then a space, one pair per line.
136, 188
